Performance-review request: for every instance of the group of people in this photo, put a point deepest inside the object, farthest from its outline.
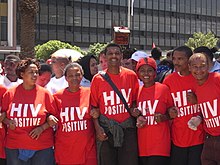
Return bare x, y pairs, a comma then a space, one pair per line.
118, 116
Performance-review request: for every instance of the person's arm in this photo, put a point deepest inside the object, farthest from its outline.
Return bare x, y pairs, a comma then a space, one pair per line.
2, 116
10, 123
135, 112
100, 133
36, 132
161, 117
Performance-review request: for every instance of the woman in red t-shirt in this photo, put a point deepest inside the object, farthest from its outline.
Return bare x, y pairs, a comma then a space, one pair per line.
153, 126
75, 136
29, 140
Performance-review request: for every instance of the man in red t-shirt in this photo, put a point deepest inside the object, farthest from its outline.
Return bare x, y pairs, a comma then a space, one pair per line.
186, 143
208, 103
119, 146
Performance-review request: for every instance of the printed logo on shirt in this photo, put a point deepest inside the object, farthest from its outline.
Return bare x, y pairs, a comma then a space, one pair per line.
72, 119
113, 104
19, 113
148, 109
180, 101
210, 113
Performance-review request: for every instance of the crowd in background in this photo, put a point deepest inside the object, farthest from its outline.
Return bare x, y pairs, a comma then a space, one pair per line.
120, 107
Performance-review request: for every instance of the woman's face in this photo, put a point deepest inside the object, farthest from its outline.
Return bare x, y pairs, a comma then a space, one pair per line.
93, 66
73, 77
30, 75
147, 74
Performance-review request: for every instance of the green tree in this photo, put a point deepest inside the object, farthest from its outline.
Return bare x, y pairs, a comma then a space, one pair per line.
96, 48
45, 50
201, 39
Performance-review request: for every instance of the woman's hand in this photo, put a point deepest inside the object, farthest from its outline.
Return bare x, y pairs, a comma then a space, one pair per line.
52, 120
36, 132
10, 123
141, 121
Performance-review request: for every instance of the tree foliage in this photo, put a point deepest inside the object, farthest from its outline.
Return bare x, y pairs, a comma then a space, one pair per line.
45, 50
96, 48
201, 39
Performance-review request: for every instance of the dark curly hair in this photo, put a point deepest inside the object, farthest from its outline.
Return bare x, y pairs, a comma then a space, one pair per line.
23, 65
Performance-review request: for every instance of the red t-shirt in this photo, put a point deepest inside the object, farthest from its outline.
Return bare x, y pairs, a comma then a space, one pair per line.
2, 127
154, 138
104, 97
29, 108
75, 136
181, 134
208, 96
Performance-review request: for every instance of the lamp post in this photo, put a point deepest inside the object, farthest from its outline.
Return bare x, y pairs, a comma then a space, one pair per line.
129, 14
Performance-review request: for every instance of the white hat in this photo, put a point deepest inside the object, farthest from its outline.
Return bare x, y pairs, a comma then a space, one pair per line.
138, 55
71, 54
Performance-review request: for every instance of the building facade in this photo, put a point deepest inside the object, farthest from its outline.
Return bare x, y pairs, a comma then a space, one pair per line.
8, 39
167, 23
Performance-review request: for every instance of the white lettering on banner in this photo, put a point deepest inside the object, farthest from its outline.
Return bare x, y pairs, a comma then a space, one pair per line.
116, 109
26, 122
70, 112
180, 101
212, 107
150, 120
22, 109
113, 104
213, 122
113, 97
74, 126
188, 110
147, 106
210, 113
179, 98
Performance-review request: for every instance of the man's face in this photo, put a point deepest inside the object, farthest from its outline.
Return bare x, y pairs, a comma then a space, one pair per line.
199, 67
113, 56
180, 61
57, 66
126, 63
10, 67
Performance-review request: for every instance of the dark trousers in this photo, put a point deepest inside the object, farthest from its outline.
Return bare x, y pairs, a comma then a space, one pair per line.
41, 157
211, 151
154, 160
2, 161
186, 155
125, 155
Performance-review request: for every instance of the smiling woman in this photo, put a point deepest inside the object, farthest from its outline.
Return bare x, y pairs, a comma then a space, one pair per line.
75, 133
27, 107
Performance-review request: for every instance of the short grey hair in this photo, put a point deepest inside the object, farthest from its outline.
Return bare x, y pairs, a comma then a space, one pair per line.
72, 65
